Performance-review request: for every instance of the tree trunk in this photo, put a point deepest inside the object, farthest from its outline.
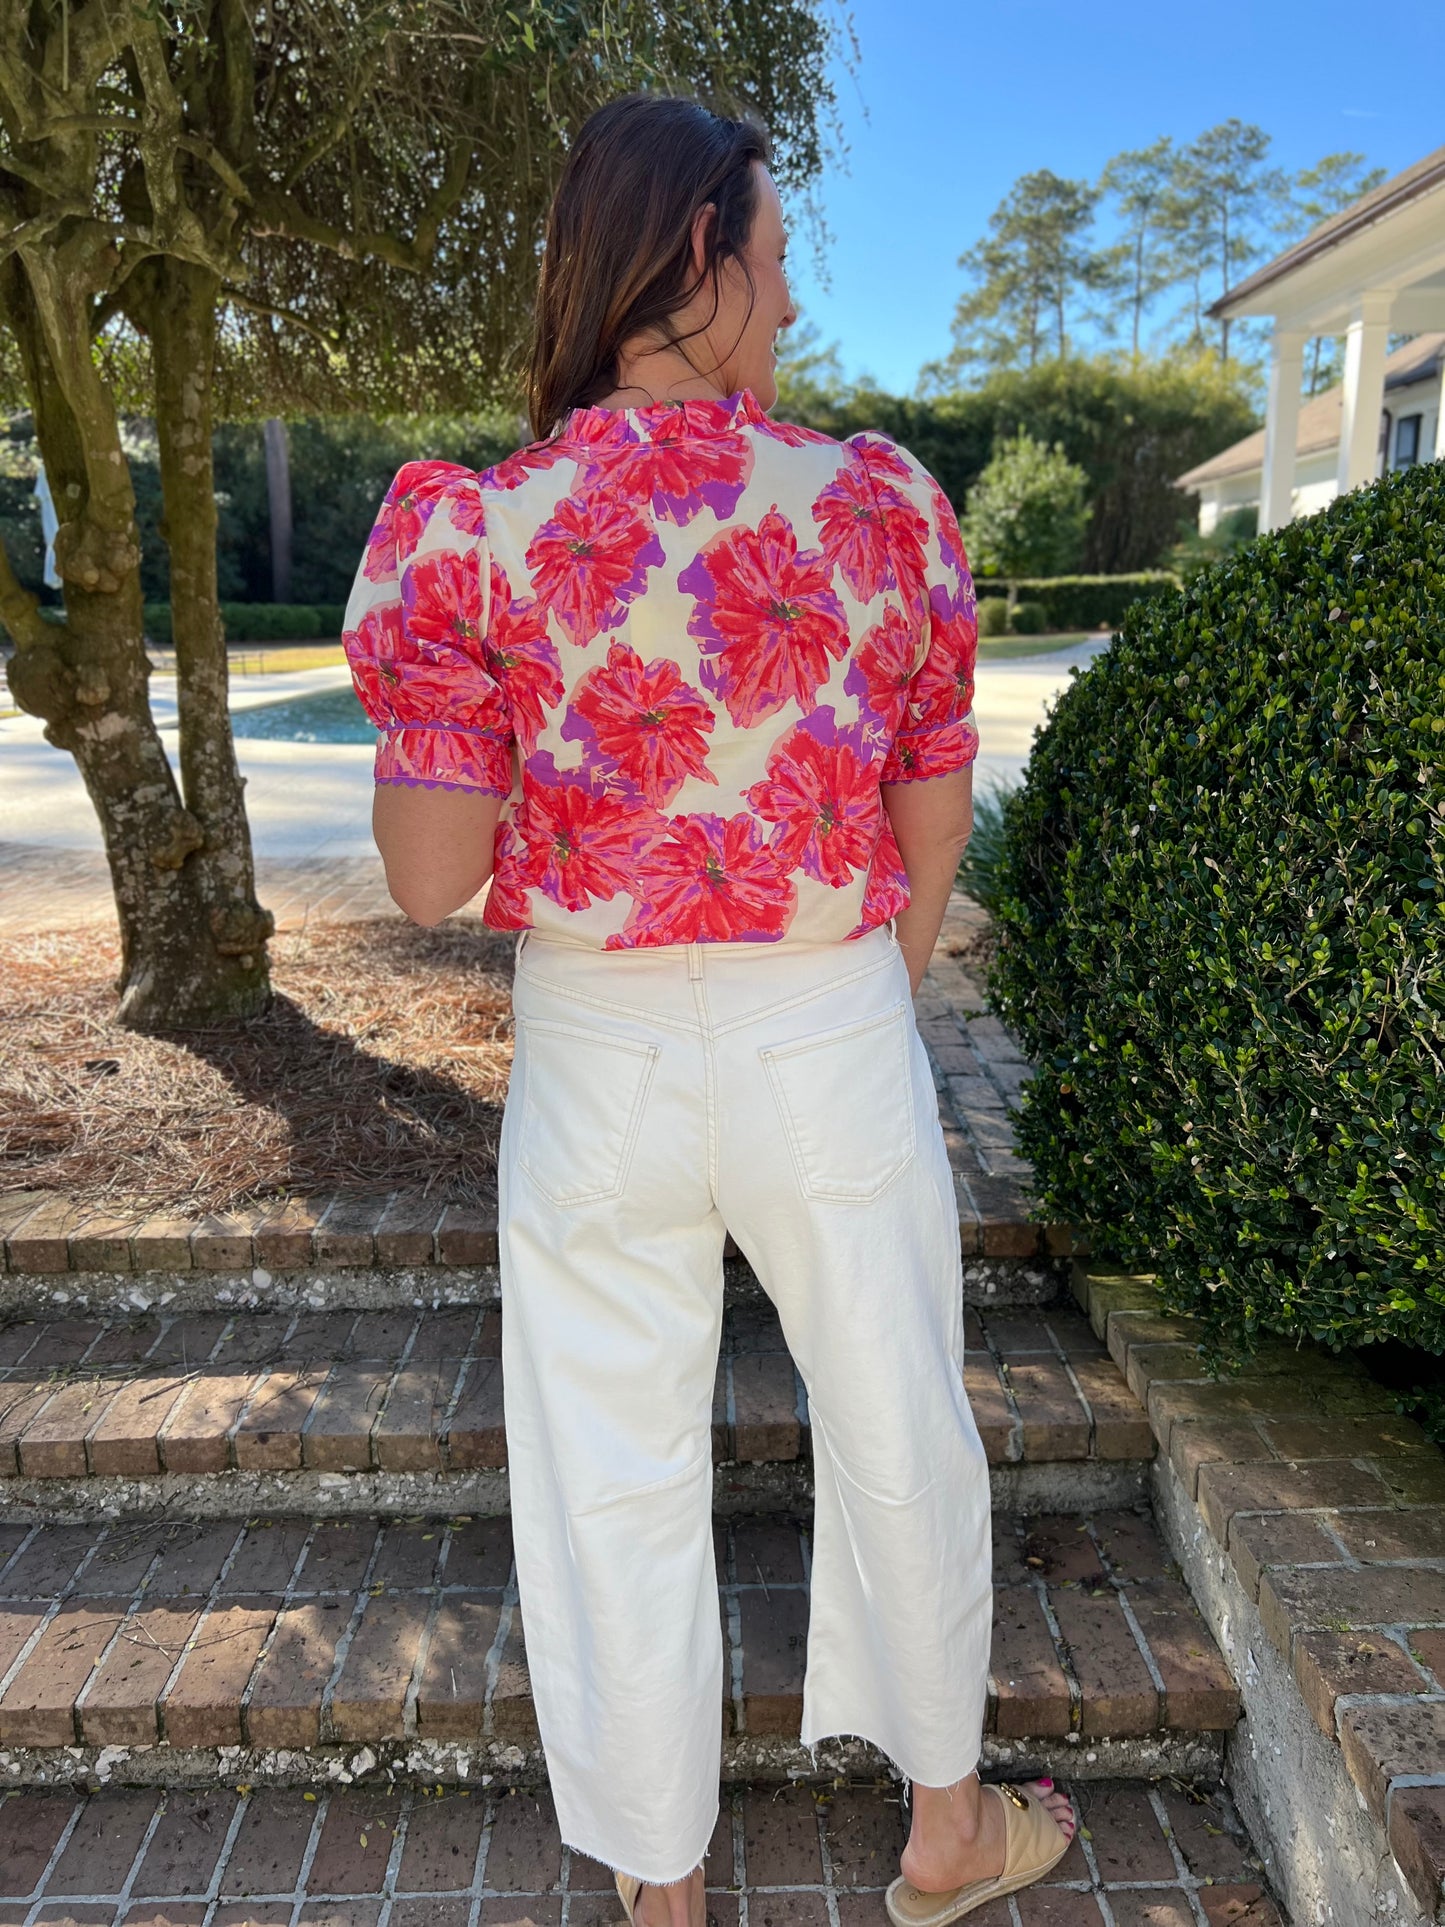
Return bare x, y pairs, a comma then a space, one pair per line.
87, 680
181, 311
278, 495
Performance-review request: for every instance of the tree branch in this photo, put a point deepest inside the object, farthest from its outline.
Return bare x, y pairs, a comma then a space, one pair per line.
287, 315
20, 609
35, 229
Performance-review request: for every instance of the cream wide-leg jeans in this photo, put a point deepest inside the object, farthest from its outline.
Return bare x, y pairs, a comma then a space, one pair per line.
658, 1097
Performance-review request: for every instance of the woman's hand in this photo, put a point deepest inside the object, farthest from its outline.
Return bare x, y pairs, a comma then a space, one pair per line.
436, 845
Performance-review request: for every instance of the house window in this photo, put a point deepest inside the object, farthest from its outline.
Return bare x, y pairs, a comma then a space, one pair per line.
1407, 441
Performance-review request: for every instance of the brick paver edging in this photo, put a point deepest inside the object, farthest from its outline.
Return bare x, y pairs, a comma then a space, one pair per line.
1330, 1509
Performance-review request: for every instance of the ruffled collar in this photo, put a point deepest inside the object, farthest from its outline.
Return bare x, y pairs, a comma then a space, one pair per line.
719, 415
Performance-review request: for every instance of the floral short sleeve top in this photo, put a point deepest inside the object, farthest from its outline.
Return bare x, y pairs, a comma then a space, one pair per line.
686, 644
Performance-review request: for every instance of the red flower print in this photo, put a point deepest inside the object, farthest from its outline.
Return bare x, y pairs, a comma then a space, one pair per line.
944, 683
582, 844
950, 542
506, 906
882, 668
793, 434
850, 524
881, 458
886, 891
409, 504
442, 595
678, 473
514, 469
822, 795
767, 618
372, 652
523, 658
708, 879
589, 561
645, 720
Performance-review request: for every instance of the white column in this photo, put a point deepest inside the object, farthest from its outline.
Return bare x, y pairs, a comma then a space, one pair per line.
1281, 424
1364, 390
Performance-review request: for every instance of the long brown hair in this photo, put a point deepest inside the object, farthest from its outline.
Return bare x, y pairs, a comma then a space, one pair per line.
618, 253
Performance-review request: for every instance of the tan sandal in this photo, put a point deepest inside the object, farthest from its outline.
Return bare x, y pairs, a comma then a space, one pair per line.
629, 1887
1034, 1842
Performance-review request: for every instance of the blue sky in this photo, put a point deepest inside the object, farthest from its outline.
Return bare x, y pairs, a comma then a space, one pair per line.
961, 99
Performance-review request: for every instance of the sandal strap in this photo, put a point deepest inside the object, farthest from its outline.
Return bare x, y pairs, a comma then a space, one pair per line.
1031, 1833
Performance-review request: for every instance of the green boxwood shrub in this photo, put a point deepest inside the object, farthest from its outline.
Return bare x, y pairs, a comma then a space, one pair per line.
259, 621
1086, 601
992, 615
1028, 619
1222, 934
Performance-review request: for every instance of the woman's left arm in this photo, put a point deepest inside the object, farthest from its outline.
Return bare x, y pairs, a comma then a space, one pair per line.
415, 637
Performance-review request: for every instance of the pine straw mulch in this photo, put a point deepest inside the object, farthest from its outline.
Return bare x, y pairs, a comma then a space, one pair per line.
381, 1065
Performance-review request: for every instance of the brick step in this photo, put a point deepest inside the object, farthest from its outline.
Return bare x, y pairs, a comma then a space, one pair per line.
210, 1415
375, 1254
184, 1652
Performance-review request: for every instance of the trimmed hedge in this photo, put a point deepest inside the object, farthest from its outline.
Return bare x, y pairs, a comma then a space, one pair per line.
259, 621
1085, 601
1222, 934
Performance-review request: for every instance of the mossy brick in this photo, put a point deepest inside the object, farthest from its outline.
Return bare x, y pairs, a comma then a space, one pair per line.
1297, 1599
1170, 1402
1329, 1666
162, 1242
1260, 1540
41, 1241
1386, 1436
1213, 1442
102, 1241
222, 1241
1417, 1479
467, 1235
1199, 1694
1148, 1365
282, 1236
1385, 1740
1126, 1328
1029, 1695
346, 1234
1272, 1486
1408, 1532
1417, 1839
406, 1234
1117, 1291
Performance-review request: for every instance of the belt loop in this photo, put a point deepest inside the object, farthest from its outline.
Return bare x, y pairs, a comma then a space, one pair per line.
521, 946
694, 961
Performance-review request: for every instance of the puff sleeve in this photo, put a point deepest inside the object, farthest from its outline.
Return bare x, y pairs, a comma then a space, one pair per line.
415, 635
937, 733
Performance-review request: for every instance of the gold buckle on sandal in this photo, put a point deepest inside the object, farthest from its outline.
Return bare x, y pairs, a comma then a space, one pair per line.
1012, 1792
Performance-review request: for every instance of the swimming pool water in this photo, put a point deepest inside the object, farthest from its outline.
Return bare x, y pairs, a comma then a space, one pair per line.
328, 716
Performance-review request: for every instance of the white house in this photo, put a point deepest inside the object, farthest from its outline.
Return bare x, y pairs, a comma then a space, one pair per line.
1409, 432
1374, 270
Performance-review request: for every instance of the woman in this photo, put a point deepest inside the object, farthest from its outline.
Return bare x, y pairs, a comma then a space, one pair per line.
692, 690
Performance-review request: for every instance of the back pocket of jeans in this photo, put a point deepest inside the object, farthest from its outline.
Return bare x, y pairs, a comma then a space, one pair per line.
583, 1096
846, 1102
